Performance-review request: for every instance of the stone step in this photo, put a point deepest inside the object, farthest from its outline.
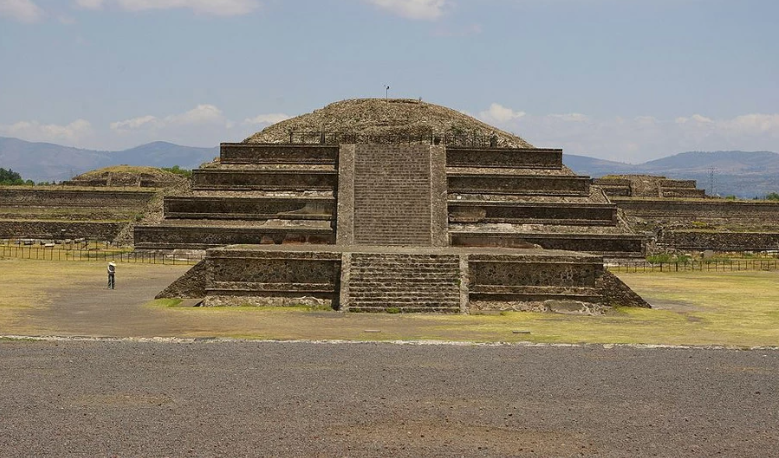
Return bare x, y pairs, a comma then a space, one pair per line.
404, 273
407, 282
452, 300
384, 309
408, 261
377, 302
385, 283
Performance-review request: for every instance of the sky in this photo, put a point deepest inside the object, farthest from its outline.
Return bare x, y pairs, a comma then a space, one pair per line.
625, 80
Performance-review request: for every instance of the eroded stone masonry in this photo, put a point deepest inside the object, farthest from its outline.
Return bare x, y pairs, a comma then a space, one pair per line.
465, 218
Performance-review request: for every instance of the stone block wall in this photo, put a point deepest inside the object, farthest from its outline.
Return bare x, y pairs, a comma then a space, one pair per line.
622, 245
685, 193
699, 210
472, 183
251, 208
668, 183
257, 153
54, 229
73, 198
202, 237
532, 213
721, 241
504, 157
283, 278
505, 281
266, 180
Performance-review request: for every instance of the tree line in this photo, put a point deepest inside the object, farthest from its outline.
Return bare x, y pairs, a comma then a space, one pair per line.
9, 177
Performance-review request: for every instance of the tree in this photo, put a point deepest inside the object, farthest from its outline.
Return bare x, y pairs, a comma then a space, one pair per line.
772, 196
9, 177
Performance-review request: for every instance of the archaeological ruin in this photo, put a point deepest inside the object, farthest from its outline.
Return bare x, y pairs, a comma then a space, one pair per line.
675, 215
394, 205
101, 205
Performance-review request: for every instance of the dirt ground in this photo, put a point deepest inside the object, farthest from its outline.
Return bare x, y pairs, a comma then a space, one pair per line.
156, 399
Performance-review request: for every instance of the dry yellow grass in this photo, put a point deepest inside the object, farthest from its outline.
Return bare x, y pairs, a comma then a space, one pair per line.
738, 309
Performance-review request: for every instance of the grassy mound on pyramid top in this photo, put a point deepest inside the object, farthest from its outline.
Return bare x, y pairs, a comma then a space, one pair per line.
363, 119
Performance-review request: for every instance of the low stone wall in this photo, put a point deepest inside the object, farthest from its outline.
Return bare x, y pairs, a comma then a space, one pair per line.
259, 153
683, 193
73, 198
250, 208
504, 157
515, 282
203, 237
699, 210
281, 278
518, 184
266, 180
616, 246
532, 213
668, 183
721, 241
615, 191
54, 229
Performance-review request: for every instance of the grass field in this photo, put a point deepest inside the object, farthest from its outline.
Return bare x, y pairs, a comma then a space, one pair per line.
739, 309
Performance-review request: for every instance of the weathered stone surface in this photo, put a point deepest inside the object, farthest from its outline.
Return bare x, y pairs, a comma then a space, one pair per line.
370, 120
392, 195
191, 285
509, 158
92, 230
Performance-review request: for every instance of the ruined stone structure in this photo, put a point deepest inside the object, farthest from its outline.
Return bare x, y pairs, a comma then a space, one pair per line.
678, 216
49, 212
412, 220
648, 186
127, 176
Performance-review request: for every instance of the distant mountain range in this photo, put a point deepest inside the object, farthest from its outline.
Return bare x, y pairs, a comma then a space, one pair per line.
50, 162
739, 173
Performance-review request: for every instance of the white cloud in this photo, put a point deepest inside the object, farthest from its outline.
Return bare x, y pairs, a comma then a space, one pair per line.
21, 10
216, 7
570, 117
755, 124
200, 115
413, 9
72, 134
270, 118
696, 118
500, 114
135, 123
641, 138
90, 4
203, 125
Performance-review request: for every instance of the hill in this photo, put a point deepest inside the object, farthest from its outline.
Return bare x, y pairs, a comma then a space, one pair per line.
739, 173
51, 162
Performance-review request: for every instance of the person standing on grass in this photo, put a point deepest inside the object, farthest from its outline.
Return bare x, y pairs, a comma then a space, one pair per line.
111, 275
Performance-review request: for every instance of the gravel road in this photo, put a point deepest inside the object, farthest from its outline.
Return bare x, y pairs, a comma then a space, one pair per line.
131, 398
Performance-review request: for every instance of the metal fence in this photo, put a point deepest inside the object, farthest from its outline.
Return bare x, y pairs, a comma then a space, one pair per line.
473, 139
58, 253
719, 265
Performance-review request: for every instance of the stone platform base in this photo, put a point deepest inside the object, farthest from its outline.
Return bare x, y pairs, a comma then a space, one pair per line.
395, 279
